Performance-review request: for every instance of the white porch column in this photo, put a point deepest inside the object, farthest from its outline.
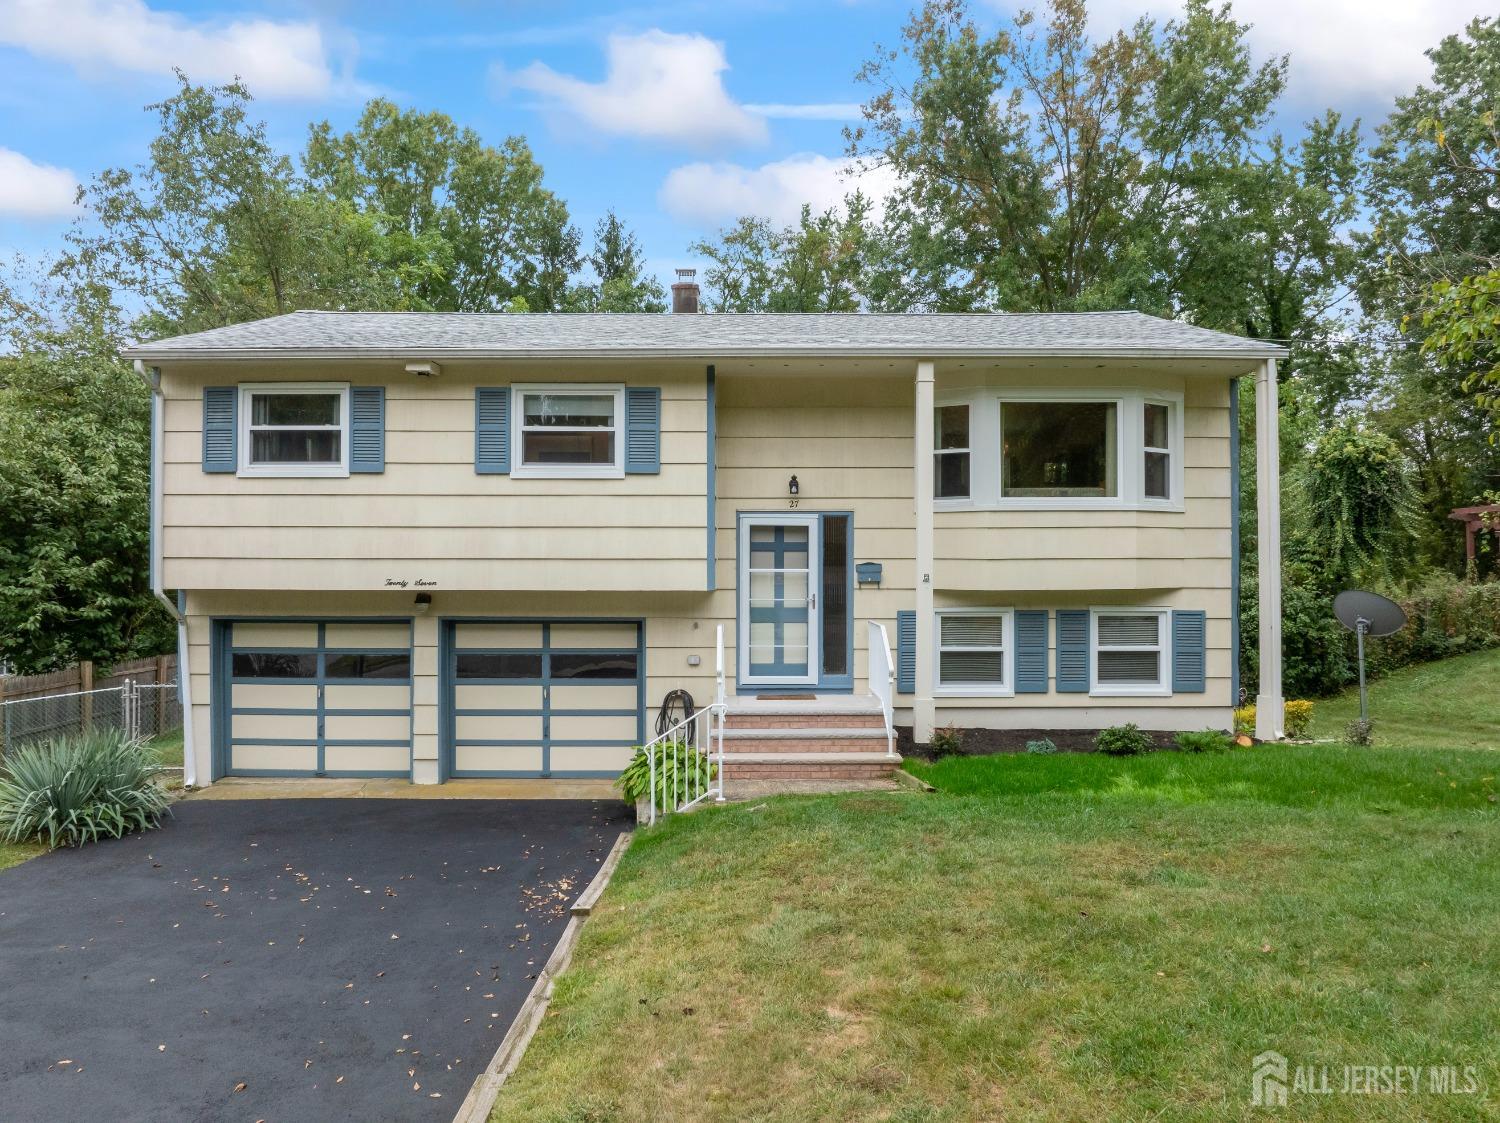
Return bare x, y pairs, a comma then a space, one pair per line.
924, 714
1269, 702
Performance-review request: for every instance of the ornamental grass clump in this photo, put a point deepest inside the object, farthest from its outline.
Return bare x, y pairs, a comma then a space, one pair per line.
73, 790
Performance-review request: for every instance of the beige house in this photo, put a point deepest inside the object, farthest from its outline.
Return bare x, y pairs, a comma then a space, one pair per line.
442, 546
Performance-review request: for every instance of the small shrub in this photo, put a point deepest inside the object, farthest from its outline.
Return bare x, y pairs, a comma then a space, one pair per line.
1044, 747
682, 773
947, 741
1296, 717
1244, 720
1123, 740
1204, 741
1360, 731
80, 789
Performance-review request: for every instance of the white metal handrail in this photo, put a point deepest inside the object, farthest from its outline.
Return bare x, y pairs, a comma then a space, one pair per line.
701, 735
719, 665
883, 680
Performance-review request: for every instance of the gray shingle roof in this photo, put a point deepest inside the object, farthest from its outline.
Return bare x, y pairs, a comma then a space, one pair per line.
453, 335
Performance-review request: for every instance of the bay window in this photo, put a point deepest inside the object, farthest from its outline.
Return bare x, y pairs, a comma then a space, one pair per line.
1026, 449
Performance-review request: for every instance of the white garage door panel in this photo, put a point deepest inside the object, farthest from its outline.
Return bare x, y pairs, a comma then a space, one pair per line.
273, 758
566, 697
589, 727
493, 758
276, 727
479, 727
577, 758
275, 636
497, 697
343, 727
614, 636
528, 636
275, 696
337, 696
358, 636
365, 758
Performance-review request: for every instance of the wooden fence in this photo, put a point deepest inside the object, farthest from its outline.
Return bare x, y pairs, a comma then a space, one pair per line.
81, 679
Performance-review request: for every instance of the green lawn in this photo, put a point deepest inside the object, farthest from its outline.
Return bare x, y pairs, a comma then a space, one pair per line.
1066, 937
14, 853
169, 748
1453, 703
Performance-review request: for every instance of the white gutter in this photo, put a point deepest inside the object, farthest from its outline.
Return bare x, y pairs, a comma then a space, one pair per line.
152, 379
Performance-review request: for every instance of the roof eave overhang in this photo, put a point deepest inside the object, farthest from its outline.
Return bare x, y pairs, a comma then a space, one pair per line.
147, 353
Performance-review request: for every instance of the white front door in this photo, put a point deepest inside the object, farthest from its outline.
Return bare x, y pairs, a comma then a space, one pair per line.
779, 622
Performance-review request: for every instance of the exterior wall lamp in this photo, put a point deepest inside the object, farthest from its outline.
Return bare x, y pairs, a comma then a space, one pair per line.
421, 603
792, 486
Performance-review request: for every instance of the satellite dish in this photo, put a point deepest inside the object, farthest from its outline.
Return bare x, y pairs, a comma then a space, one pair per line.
1379, 616
1367, 614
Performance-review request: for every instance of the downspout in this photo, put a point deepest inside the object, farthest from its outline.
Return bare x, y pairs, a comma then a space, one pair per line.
152, 378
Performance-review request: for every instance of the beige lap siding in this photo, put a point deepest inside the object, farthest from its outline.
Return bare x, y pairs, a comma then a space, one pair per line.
429, 515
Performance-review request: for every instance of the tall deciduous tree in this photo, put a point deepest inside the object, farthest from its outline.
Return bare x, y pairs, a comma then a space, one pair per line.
216, 228
74, 474
508, 242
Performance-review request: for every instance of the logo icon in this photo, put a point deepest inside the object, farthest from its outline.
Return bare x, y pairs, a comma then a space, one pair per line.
1268, 1080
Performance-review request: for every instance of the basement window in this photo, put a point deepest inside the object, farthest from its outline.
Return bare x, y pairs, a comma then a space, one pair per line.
973, 651
1130, 651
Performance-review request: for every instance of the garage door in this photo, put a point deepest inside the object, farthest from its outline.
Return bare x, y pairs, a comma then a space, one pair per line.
317, 699
542, 698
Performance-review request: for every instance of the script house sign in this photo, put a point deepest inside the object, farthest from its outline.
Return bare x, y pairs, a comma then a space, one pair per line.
415, 583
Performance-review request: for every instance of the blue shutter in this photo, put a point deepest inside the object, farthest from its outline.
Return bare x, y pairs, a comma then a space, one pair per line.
1031, 652
1072, 651
367, 429
220, 424
492, 430
906, 651
643, 429
1188, 643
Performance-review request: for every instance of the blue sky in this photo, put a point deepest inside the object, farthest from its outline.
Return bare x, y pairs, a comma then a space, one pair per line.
678, 115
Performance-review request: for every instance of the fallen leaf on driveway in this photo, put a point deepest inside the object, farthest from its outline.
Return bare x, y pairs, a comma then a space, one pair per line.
241, 1086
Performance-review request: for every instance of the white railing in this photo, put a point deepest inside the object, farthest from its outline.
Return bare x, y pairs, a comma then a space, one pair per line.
686, 762
883, 680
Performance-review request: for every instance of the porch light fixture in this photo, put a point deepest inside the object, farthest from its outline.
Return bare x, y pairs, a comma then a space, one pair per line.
422, 603
792, 486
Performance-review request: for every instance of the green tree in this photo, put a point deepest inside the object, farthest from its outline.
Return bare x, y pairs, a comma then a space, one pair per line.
74, 480
621, 283
507, 242
820, 263
216, 228
1356, 500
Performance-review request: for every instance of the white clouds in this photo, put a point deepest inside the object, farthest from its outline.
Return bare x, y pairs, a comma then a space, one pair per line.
1346, 52
32, 190
711, 193
817, 111
658, 86
286, 60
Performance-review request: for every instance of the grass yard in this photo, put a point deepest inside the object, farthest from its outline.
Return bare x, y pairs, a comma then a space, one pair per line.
1049, 938
168, 748
1454, 702
14, 853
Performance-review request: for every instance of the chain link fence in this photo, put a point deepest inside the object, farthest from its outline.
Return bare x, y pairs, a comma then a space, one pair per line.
139, 710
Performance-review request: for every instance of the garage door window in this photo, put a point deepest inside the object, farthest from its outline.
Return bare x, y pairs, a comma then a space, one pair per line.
274, 664
357, 666
571, 666
507, 665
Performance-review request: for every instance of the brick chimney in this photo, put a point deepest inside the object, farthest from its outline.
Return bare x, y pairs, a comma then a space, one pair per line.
685, 291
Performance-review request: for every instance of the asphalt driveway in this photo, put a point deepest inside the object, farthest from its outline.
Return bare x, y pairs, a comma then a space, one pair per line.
284, 960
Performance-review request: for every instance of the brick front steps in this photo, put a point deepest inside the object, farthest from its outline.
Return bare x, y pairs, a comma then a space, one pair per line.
812, 739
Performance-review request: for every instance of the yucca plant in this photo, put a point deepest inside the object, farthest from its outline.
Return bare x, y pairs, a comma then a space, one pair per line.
682, 772
80, 789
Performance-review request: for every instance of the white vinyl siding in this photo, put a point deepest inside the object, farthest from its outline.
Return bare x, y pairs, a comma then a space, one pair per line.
974, 652
1130, 651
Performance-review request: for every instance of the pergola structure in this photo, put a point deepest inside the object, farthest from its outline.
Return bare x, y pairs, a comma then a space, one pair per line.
1475, 519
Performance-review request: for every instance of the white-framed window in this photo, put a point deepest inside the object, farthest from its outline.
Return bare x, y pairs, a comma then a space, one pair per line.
1130, 651
573, 430
294, 429
975, 653
1157, 463
950, 456
1060, 449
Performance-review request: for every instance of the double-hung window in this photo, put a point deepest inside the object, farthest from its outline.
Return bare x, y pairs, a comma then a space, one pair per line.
291, 429
568, 431
974, 651
1130, 653
951, 452
1157, 448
